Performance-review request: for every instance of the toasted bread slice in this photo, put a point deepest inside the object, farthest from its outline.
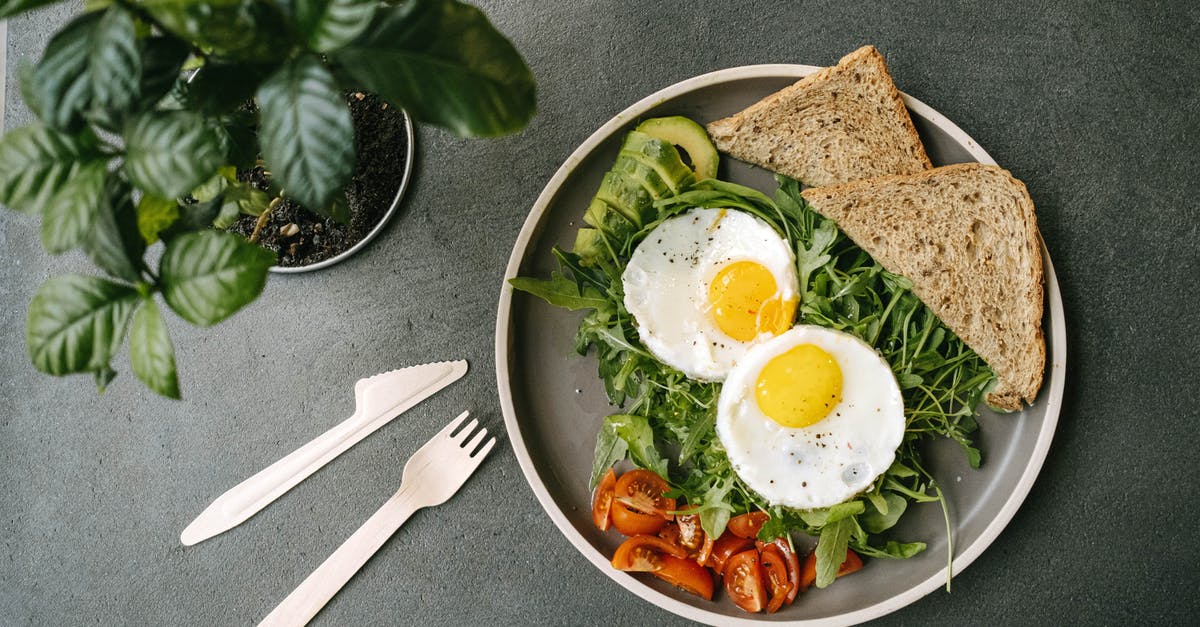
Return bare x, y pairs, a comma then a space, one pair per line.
966, 236
840, 124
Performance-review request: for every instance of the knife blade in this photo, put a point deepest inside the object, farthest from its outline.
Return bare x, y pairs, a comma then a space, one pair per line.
377, 400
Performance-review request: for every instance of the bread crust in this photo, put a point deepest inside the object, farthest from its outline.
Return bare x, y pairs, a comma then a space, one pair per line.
854, 104
966, 236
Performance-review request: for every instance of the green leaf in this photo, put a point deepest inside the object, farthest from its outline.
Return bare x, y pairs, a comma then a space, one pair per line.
67, 218
831, 550
830, 515
209, 275
115, 65
338, 208
330, 24
155, 215
60, 82
877, 519
636, 432
9, 8
114, 241
250, 30
610, 449
169, 154
150, 351
560, 291
36, 162
306, 132
76, 323
444, 63
162, 60
223, 87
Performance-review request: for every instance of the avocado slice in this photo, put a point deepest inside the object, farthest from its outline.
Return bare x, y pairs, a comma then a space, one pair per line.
589, 244
688, 135
605, 217
644, 175
628, 197
659, 155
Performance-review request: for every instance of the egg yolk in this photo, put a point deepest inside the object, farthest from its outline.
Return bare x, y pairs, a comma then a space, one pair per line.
744, 301
800, 387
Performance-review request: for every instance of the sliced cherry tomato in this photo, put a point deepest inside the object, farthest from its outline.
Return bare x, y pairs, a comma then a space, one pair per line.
642, 490
602, 501
808, 575
632, 523
686, 574
744, 581
639, 506
775, 568
644, 554
853, 564
706, 550
747, 525
793, 567
724, 548
691, 536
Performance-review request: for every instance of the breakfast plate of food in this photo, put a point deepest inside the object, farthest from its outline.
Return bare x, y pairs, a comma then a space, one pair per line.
781, 343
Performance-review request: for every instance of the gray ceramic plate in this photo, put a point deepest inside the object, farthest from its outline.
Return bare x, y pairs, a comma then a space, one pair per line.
553, 401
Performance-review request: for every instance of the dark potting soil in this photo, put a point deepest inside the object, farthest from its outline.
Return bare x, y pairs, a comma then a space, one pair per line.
381, 142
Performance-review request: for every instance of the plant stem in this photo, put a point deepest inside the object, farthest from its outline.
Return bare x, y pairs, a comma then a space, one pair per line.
265, 216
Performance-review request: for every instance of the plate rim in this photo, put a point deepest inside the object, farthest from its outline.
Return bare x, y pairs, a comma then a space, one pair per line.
1055, 370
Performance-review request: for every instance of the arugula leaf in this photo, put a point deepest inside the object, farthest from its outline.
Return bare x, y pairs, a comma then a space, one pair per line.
560, 291
829, 515
831, 550
884, 512
635, 431
610, 449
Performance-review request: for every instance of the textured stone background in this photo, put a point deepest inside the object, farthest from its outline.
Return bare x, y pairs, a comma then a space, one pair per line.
1095, 107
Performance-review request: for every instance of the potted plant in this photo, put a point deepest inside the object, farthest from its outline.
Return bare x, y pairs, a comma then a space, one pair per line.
126, 154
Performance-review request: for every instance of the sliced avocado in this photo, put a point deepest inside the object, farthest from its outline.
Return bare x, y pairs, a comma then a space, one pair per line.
589, 243
688, 135
608, 219
659, 155
643, 174
628, 196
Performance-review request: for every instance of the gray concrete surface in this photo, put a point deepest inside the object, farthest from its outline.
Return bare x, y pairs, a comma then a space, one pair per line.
1094, 106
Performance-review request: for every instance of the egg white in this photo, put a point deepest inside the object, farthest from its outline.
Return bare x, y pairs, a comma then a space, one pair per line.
830, 461
667, 278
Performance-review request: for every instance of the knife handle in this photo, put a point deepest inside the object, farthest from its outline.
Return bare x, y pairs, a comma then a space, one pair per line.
273, 481
314, 592
248, 497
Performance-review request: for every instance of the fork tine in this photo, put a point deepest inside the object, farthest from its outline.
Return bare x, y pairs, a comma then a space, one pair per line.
461, 436
475, 440
445, 433
487, 448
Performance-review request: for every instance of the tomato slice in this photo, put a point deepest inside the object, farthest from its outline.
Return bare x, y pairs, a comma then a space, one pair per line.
686, 574
808, 575
853, 564
644, 554
793, 567
747, 525
632, 523
602, 501
639, 506
706, 550
744, 581
642, 490
691, 536
774, 566
724, 548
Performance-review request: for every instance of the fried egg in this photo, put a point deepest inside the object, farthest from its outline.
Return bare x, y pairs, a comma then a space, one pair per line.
706, 285
811, 417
